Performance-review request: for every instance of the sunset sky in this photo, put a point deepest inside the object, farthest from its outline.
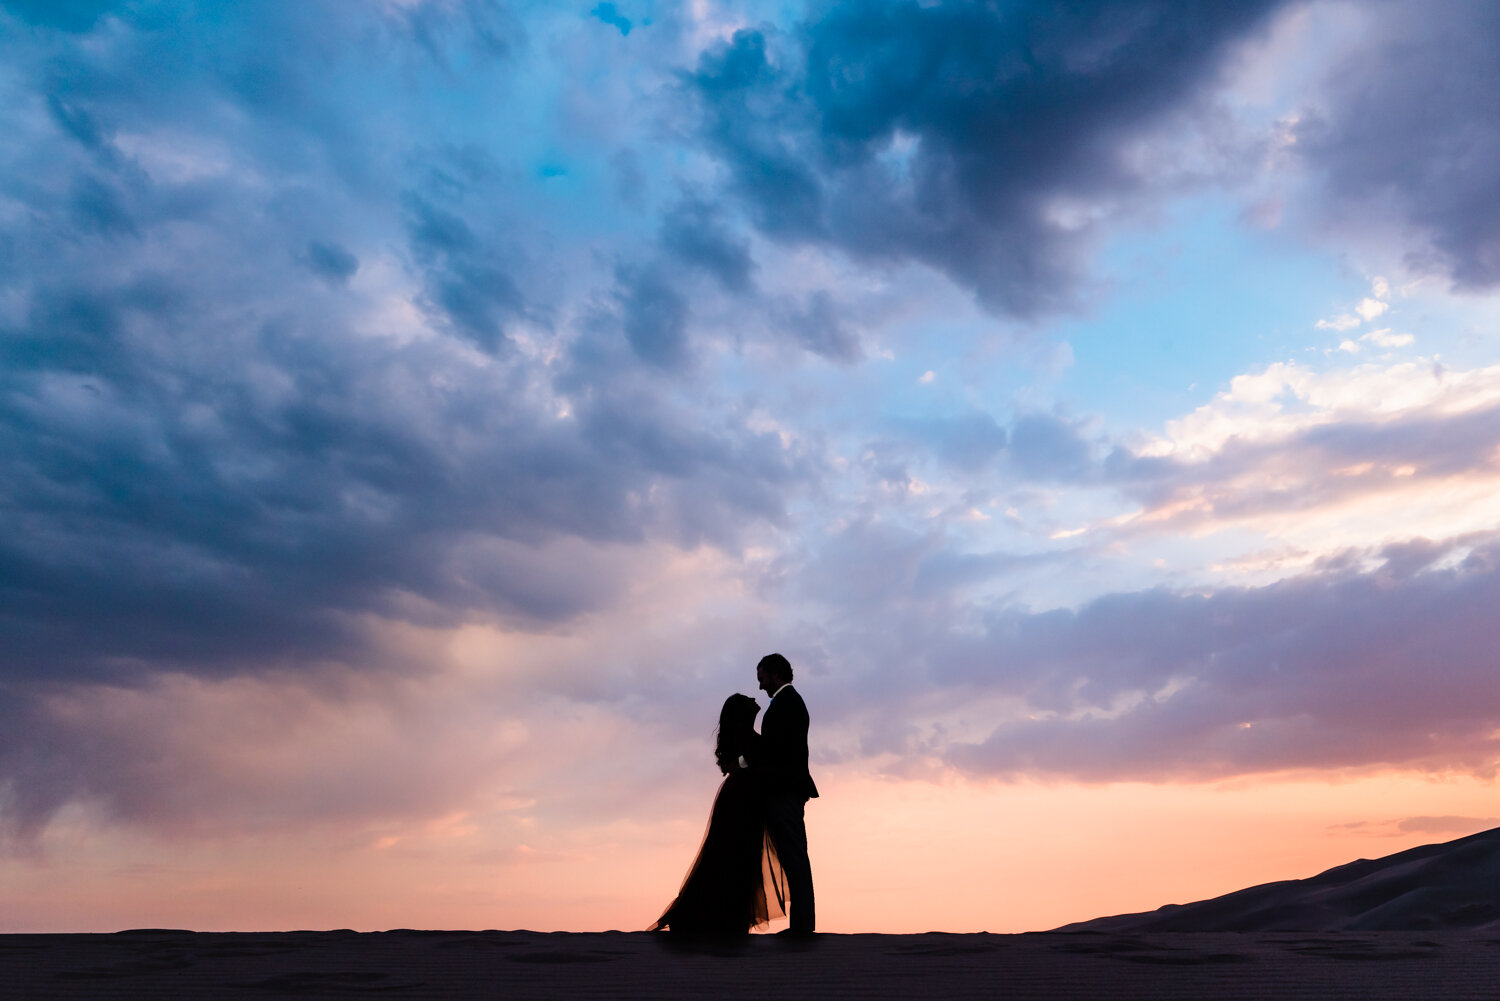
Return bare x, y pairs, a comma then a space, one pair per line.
417, 416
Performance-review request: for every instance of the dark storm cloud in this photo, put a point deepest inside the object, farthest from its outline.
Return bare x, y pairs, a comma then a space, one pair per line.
218, 452
98, 206
653, 291
654, 315
451, 33
465, 285
610, 15
819, 326
701, 258
1410, 126
67, 15
712, 481
1338, 668
694, 233
185, 515
330, 261
977, 139
229, 444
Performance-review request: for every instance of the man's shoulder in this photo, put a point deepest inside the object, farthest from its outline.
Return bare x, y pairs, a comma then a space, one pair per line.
786, 698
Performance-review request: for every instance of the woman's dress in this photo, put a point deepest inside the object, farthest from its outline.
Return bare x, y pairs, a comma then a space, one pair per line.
736, 882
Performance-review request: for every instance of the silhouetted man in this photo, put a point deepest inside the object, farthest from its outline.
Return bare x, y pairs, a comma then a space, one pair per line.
782, 763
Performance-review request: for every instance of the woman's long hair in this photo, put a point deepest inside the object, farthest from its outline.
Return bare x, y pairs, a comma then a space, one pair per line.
736, 730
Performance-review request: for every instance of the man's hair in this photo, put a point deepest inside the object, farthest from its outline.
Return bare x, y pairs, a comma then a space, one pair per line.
777, 666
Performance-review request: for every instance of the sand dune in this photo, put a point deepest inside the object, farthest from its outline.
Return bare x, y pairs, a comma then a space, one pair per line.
1452, 886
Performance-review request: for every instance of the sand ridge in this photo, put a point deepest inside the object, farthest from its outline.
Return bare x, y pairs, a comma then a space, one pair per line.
1454, 885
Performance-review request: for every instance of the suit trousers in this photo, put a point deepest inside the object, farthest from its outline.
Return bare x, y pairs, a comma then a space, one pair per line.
787, 826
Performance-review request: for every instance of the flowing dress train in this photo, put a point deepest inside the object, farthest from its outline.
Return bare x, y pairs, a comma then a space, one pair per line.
736, 882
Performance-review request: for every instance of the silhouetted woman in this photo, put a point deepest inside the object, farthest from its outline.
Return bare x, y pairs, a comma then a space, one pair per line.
736, 883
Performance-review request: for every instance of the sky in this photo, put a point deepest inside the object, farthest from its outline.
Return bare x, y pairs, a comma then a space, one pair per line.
417, 416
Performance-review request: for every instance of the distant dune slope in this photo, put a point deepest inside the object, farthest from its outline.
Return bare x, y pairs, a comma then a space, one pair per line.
1455, 885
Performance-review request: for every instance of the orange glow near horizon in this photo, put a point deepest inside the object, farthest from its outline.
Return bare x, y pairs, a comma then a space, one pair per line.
889, 856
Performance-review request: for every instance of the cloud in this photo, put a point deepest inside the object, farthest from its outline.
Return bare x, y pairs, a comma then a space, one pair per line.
1336, 668
869, 566
697, 282
1367, 309
335, 749
432, 720
655, 316
1048, 447
330, 262
1323, 453
1341, 322
971, 442
1286, 397
1351, 651
610, 15
464, 285
255, 512
819, 326
76, 16
274, 367
187, 756
1035, 448
1383, 338
1407, 132
697, 237
985, 144
1446, 825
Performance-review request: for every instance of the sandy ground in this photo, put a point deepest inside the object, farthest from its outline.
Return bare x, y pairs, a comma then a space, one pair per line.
164, 965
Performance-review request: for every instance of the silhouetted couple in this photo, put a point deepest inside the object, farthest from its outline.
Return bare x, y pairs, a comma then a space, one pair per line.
754, 855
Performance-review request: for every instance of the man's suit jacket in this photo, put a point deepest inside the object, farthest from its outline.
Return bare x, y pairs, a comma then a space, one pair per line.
782, 756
